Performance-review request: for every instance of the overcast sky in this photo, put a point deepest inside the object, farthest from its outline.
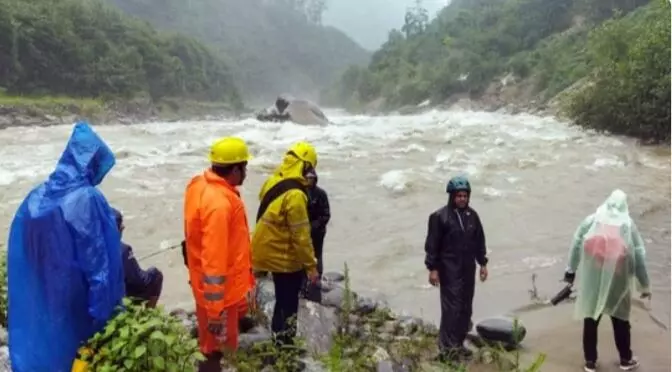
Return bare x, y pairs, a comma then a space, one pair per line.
369, 21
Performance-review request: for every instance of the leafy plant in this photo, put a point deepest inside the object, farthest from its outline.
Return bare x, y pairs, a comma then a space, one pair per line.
630, 93
138, 338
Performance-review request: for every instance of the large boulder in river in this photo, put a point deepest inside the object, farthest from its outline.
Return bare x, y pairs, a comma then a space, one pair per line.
306, 113
299, 111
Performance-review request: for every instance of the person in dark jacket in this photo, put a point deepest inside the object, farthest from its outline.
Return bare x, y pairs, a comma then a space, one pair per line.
319, 215
455, 243
145, 285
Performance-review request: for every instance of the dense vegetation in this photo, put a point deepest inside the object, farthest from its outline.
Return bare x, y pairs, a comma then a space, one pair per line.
84, 48
273, 46
544, 44
630, 91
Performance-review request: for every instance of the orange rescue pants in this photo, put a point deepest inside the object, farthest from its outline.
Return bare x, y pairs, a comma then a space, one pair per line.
207, 341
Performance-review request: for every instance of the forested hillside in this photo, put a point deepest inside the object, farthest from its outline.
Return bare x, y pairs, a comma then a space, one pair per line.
273, 46
85, 48
621, 47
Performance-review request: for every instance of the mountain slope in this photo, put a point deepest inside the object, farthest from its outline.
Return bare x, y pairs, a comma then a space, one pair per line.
85, 48
272, 47
503, 51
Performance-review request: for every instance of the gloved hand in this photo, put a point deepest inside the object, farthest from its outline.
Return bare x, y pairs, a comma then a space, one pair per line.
569, 277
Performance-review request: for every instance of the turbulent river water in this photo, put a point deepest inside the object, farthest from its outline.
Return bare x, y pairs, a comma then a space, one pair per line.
534, 179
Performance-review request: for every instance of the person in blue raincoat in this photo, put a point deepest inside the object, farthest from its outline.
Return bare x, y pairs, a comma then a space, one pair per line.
65, 276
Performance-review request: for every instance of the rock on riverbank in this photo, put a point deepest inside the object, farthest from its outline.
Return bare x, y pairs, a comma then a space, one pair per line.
373, 333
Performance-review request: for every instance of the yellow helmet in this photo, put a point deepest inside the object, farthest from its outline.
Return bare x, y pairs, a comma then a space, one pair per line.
229, 150
305, 151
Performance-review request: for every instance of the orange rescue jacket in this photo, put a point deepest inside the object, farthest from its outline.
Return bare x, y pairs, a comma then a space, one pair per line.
218, 243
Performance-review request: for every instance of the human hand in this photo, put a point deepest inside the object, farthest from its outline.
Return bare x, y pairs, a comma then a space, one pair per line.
569, 277
252, 299
483, 274
313, 276
434, 278
217, 327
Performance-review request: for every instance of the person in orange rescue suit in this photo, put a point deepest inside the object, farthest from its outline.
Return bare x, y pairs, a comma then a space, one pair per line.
218, 249
281, 244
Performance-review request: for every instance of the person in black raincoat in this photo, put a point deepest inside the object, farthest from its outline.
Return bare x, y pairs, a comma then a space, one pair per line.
319, 214
455, 243
145, 285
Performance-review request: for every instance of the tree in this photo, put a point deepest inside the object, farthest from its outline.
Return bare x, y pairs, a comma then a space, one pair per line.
416, 20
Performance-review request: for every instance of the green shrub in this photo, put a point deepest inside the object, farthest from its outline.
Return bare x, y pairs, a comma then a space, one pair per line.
138, 338
630, 93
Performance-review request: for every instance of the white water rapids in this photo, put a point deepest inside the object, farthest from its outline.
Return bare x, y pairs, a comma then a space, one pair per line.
534, 179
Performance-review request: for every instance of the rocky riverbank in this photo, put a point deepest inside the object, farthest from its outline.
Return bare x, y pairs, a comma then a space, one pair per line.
344, 331
47, 112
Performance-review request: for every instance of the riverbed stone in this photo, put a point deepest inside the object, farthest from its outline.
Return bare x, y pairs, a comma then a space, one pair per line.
5, 364
334, 277
316, 324
365, 305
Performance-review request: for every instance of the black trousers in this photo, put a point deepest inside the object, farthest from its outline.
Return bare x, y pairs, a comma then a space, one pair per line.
621, 337
318, 245
314, 292
457, 284
212, 363
287, 289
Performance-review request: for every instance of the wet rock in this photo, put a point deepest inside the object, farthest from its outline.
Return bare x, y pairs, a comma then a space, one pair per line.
334, 277
3, 337
5, 364
385, 366
256, 336
411, 324
334, 298
502, 330
327, 286
365, 305
317, 324
312, 365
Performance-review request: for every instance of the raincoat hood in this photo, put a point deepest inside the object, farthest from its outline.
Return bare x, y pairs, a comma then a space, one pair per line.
614, 211
85, 160
290, 168
64, 271
608, 252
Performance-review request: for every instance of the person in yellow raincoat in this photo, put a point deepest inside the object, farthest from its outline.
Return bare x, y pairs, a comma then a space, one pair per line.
281, 244
608, 253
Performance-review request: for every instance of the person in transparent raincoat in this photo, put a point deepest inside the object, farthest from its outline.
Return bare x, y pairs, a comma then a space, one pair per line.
607, 254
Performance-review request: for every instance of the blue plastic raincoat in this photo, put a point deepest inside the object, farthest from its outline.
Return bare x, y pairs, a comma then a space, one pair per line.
64, 261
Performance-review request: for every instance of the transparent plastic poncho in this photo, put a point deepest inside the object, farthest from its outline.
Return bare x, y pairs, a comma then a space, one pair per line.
607, 254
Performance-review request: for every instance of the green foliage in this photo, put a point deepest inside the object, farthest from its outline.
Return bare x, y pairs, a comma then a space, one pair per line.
84, 48
138, 338
460, 51
3, 288
630, 90
550, 44
359, 343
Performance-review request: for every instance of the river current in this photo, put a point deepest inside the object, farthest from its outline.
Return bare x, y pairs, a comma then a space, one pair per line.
534, 179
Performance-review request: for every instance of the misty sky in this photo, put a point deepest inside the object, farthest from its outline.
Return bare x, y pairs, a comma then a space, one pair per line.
369, 21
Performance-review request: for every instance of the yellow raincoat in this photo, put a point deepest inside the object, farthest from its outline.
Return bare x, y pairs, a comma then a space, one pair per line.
281, 240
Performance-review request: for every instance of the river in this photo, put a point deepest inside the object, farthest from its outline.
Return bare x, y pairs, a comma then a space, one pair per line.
533, 180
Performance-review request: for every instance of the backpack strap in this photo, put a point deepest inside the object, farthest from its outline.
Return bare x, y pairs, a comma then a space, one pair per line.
277, 190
